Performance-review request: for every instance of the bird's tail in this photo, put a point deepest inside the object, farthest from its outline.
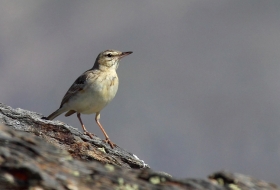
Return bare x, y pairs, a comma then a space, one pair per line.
55, 114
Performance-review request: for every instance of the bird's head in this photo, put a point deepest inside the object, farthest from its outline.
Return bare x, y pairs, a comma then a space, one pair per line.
110, 58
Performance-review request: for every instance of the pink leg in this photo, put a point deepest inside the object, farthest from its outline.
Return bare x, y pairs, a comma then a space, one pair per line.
107, 139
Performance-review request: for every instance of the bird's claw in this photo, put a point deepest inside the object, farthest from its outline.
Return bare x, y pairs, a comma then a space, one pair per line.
89, 134
108, 141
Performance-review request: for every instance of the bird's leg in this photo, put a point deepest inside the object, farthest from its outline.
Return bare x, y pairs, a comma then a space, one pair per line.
83, 126
107, 139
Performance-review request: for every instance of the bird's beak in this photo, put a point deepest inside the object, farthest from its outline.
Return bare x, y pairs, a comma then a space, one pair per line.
125, 54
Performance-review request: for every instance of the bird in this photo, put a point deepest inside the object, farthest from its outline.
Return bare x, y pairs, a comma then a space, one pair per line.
93, 90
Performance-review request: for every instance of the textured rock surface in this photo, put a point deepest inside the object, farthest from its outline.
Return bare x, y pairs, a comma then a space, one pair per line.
73, 161
67, 138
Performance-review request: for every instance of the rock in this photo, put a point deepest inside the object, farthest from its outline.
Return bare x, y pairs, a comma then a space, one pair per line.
39, 154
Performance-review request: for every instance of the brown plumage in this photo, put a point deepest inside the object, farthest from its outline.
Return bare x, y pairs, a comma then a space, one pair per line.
93, 90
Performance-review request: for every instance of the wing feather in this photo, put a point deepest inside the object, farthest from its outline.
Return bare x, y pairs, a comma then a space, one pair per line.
78, 85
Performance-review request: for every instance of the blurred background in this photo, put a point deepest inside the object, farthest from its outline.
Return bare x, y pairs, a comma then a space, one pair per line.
200, 93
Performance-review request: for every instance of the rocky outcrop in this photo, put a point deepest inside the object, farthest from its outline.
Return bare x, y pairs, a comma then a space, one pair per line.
41, 154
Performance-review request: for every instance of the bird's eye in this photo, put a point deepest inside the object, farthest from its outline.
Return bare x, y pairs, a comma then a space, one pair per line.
109, 55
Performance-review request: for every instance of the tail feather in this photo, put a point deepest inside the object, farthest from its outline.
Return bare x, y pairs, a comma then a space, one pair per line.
55, 114
70, 113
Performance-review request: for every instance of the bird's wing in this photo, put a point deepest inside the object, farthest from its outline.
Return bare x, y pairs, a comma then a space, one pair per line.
77, 86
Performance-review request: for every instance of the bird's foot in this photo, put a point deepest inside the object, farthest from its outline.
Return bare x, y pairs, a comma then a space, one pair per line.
108, 141
89, 134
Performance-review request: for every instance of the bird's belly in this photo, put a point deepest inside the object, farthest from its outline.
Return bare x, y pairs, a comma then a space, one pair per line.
95, 98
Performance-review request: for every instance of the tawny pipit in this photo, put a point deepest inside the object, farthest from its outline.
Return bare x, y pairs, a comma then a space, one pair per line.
93, 90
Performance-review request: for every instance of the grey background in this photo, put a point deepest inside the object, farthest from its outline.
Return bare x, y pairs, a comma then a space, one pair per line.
200, 93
